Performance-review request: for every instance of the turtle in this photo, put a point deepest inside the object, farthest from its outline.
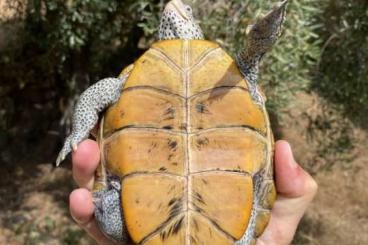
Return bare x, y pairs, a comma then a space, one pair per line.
185, 138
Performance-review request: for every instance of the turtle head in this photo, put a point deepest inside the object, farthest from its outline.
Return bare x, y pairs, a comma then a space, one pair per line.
178, 22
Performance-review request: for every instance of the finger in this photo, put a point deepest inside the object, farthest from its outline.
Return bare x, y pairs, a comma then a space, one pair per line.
85, 162
296, 189
291, 179
81, 206
82, 210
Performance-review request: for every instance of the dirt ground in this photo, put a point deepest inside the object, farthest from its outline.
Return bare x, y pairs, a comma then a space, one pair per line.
34, 197
336, 153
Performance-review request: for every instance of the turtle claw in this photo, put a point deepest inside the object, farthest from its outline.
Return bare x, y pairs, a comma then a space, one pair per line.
75, 147
60, 158
64, 152
75, 141
70, 144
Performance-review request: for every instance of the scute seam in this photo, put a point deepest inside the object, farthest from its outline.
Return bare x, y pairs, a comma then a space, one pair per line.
164, 57
187, 148
203, 58
214, 223
124, 129
169, 175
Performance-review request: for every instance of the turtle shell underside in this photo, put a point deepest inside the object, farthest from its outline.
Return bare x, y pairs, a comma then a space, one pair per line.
193, 151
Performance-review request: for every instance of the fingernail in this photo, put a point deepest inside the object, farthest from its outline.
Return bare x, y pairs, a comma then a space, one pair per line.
292, 161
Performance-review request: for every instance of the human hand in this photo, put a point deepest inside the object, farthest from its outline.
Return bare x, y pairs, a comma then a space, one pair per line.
296, 189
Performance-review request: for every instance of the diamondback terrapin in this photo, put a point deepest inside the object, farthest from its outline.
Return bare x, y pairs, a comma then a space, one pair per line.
186, 145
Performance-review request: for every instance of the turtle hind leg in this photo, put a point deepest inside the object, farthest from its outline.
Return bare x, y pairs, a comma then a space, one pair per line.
109, 214
93, 101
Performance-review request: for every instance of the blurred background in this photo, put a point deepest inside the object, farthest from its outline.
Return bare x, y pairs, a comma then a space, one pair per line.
316, 79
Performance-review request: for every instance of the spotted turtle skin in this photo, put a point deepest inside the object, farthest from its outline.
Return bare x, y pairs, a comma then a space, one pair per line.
192, 150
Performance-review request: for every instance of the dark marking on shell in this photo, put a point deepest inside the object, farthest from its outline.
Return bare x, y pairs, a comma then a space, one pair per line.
202, 142
171, 189
198, 209
172, 201
201, 108
172, 144
170, 157
122, 113
178, 225
168, 127
196, 226
163, 169
176, 207
172, 230
199, 198
169, 114
154, 144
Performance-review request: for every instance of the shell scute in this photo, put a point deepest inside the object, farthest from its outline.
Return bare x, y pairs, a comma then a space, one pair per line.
145, 151
145, 107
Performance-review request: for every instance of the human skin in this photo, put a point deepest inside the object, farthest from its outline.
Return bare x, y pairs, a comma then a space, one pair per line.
296, 190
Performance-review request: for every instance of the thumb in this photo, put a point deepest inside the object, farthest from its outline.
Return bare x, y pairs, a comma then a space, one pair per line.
296, 189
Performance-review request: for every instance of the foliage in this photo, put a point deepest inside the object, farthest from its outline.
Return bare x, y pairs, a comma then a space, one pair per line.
343, 69
61, 47
333, 134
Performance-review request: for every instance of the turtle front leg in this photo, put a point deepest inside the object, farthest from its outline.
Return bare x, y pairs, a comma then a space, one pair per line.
260, 39
92, 101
